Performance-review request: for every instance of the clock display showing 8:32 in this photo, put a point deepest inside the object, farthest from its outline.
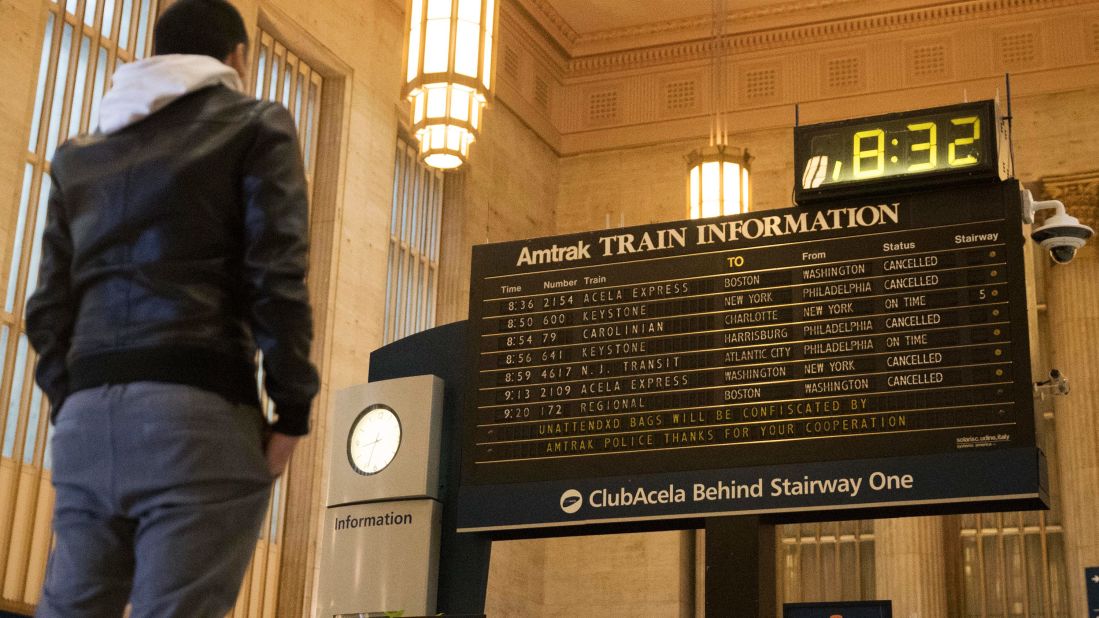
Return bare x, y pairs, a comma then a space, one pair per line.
959, 140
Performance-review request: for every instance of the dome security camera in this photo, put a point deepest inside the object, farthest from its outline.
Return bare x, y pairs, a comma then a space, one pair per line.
1061, 234
1057, 384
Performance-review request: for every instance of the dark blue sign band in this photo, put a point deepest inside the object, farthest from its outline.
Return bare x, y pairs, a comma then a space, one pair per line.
1091, 576
853, 609
992, 475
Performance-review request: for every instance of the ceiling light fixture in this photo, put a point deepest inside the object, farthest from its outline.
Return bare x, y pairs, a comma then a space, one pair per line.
717, 177
449, 58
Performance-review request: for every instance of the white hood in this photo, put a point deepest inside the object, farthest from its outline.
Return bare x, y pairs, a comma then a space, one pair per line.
142, 88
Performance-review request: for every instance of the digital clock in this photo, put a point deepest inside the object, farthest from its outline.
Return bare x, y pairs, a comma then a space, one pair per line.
898, 151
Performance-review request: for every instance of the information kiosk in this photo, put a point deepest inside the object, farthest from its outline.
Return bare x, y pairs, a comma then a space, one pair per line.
380, 547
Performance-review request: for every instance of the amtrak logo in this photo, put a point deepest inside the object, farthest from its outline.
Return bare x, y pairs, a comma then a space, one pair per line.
571, 501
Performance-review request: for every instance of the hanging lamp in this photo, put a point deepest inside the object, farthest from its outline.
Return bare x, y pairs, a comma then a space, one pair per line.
449, 58
717, 176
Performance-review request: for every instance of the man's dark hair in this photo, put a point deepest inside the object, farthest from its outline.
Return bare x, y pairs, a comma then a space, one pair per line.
203, 27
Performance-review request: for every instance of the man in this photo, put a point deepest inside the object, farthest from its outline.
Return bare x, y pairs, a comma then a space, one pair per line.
175, 245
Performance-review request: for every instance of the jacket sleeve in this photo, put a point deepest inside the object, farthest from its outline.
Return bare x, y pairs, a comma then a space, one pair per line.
51, 309
276, 248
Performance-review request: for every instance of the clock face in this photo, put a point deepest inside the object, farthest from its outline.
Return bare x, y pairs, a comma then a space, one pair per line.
374, 439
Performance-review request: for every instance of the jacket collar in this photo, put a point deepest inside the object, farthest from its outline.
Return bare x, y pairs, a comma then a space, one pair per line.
142, 88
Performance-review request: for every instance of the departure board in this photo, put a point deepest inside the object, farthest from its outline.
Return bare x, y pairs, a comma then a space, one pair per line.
861, 331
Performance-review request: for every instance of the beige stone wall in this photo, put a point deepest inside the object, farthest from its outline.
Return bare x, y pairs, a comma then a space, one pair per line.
1073, 317
1056, 133
21, 25
507, 191
640, 185
620, 575
614, 575
648, 184
517, 579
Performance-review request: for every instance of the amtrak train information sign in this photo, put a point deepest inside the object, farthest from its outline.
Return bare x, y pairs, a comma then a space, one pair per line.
860, 355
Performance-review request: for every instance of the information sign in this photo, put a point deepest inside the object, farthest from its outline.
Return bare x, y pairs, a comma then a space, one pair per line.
859, 354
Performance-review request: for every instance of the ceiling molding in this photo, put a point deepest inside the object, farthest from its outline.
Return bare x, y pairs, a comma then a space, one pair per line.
559, 95
518, 28
798, 35
705, 22
1080, 192
555, 26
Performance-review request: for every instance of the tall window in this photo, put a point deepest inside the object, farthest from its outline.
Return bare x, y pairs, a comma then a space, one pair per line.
280, 75
1013, 564
413, 245
83, 42
831, 561
283, 77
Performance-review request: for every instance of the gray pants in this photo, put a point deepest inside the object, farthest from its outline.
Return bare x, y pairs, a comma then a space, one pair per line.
161, 492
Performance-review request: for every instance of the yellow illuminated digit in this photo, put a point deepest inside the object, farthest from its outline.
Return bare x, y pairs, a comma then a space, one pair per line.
929, 146
878, 152
969, 159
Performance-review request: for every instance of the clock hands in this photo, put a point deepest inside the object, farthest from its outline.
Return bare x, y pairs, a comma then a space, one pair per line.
372, 445
360, 444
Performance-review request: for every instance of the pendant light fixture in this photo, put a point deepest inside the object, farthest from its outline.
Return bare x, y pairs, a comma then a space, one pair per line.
450, 49
717, 177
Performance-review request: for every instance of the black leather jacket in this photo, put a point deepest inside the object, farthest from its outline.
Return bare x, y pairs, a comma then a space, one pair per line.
172, 249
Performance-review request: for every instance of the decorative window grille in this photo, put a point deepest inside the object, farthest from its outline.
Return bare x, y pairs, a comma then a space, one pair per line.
413, 262
680, 95
278, 74
760, 84
603, 106
83, 43
1019, 48
832, 561
929, 60
511, 63
282, 76
844, 73
1013, 565
541, 93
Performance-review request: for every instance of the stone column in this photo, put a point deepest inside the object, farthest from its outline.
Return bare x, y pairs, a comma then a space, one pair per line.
1073, 300
909, 566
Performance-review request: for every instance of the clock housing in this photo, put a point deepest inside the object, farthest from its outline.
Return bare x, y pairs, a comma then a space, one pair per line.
413, 470
900, 151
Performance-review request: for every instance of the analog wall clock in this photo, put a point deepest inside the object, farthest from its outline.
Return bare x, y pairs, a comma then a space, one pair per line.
373, 440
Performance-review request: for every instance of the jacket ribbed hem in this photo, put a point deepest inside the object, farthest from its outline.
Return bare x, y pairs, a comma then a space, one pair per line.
232, 377
293, 419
